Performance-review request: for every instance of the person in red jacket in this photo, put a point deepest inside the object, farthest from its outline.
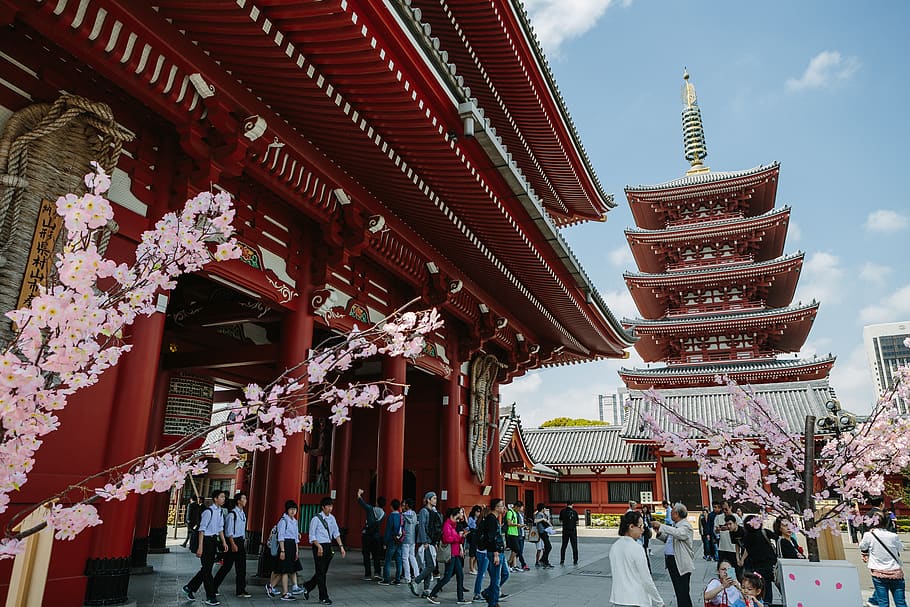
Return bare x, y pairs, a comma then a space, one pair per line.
454, 539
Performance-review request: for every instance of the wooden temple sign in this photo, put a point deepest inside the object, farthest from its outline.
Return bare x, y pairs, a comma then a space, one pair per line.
41, 256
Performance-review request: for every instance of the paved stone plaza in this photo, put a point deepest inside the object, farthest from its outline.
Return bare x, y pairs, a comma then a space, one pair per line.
586, 584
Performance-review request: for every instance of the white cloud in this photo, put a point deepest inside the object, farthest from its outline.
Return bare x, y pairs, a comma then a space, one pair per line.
556, 21
620, 303
891, 308
884, 220
821, 279
794, 232
521, 389
874, 273
825, 69
622, 257
852, 381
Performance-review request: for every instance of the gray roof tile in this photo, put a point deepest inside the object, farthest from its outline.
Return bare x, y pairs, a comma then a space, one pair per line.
583, 445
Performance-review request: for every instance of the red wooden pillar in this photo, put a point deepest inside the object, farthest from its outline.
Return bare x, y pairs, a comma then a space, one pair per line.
341, 473
258, 493
659, 493
108, 566
454, 458
240, 480
390, 467
287, 475
494, 464
147, 524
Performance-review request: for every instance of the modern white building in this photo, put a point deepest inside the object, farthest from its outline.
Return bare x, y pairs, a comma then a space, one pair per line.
886, 351
611, 407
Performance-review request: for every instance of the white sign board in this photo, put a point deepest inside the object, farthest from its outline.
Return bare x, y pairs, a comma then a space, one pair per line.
645, 497
824, 584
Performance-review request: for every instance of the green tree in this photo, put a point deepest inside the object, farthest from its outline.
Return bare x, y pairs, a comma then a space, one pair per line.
559, 422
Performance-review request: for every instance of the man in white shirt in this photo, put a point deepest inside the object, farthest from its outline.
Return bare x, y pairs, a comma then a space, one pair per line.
211, 533
678, 553
235, 556
323, 533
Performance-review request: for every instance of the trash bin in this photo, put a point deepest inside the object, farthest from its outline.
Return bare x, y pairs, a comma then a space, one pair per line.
587, 517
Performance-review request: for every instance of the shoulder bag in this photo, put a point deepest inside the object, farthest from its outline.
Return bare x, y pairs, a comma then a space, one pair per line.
444, 555
888, 574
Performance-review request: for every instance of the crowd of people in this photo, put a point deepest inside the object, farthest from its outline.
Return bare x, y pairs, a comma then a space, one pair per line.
423, 549
426, 549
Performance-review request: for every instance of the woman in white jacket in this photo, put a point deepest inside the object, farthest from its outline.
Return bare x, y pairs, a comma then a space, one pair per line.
881, 550
632, 583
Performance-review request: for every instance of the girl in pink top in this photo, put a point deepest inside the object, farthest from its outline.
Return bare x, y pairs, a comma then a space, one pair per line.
452, 537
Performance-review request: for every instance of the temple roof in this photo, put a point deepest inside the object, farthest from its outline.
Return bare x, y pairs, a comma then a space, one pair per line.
791, 401
584, 446
513, 450
721, 272
722, 226
717, 181
738, 319
499, 57
746, 372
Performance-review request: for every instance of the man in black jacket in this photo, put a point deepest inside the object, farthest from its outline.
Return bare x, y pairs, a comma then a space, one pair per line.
490, 538
372, 537
569, 519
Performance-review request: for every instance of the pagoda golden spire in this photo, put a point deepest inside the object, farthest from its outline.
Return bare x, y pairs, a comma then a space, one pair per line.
693, 131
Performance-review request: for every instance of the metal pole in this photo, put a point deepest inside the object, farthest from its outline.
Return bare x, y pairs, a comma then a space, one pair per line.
809, 486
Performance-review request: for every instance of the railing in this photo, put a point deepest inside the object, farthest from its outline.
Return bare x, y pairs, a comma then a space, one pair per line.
726, 355
693, 264
723, 306
703, 219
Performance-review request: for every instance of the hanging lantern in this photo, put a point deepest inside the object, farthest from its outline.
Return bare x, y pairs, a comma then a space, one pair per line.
189, 407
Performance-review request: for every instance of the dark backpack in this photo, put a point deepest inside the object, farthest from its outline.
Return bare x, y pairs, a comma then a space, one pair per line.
434, 526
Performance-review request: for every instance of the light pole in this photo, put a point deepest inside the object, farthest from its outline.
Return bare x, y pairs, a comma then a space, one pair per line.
837, 421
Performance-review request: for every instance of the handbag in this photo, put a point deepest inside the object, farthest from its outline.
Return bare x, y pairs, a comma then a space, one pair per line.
444, 554
533, 534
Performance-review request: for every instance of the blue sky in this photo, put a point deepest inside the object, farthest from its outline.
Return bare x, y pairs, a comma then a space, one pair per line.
821, 87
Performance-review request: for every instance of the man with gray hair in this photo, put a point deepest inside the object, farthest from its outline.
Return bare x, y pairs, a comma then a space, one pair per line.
678, 552
429, 532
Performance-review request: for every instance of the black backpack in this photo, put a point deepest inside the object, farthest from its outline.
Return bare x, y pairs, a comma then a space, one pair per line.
434, 526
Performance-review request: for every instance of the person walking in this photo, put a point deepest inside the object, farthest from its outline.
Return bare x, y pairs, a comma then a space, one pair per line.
569, 519
544, 530
408, 556
646, 518
287, 561
192, 517
712, 529
472, 538
394, 535
235, 556
759, 554
628, 562
491, 540
513, 533
323, 533
452, 538
704, 534
678, 552
211, 534
727, 535
371, 537
881, 551
429, 532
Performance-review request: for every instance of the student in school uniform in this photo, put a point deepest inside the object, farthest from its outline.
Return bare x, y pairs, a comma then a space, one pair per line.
323, 533
211, 533
235, 556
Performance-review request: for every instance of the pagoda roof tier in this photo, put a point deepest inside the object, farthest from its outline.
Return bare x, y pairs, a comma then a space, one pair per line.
497, 53
653, 250
782, 329
751, 192
654, 293
359, 105
791, 401
754, 372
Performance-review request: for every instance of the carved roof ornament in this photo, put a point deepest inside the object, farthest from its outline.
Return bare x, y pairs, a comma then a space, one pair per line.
693, 130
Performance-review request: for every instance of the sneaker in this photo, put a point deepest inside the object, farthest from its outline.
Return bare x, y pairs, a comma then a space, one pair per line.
503, 596
432, 599
269, 590
189, 593
396, 583
413, 588
525, 568
377, 577
367, 578
464, 602
326, 601
288, 597
244, 595
212, 602
306, 593
472, 572
384, 583
296, 589
477, 597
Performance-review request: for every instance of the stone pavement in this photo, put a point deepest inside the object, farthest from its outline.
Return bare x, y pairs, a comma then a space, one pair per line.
588, 584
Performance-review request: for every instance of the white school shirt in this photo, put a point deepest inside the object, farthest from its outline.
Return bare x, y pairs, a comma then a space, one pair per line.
235, 524
212, 524
287, 528
318, 530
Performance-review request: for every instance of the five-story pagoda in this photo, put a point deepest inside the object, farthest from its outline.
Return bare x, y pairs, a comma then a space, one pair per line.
715, 290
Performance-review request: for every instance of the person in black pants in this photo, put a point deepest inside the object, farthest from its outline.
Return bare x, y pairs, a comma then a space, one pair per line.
211, 532
569, 519
323, 533
235, 556
372, 537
